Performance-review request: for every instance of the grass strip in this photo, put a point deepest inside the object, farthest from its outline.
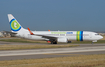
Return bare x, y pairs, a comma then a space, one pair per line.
18, 47
22, 40
76, 61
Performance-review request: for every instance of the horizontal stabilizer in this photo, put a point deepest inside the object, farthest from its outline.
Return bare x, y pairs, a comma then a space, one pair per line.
9, 32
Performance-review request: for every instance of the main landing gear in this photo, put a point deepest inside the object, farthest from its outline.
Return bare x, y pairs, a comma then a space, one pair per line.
53, 42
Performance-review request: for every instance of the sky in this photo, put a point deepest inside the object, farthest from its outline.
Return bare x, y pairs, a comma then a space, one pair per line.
63, 15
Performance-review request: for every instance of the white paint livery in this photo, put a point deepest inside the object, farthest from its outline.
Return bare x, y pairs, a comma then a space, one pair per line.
52, 36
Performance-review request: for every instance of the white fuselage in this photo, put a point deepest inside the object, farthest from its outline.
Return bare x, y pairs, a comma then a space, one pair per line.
69, 35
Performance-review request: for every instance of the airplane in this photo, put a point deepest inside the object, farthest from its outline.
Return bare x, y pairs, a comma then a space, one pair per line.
51, 36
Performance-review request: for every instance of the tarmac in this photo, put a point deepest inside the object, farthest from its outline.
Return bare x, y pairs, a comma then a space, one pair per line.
83, 49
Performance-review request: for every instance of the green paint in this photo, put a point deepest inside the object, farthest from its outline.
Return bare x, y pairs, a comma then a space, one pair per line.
58, 32
15, 25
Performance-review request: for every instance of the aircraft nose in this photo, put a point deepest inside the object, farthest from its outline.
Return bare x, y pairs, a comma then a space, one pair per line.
101, 37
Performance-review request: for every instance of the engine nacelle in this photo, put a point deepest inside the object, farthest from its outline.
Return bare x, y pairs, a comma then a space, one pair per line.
62, 40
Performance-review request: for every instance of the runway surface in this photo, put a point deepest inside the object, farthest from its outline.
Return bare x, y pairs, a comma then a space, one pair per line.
83, 49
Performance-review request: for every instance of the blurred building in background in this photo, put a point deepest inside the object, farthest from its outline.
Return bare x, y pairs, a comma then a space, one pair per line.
4, 34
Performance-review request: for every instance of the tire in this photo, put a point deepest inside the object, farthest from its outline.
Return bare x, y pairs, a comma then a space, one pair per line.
53, 42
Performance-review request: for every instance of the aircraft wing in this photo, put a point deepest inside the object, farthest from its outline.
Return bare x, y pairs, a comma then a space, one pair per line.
48, 37
44, 36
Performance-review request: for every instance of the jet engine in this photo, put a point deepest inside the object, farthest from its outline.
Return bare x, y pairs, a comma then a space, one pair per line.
62, 40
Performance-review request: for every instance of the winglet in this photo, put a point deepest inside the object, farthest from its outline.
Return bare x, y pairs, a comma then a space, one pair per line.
30, 31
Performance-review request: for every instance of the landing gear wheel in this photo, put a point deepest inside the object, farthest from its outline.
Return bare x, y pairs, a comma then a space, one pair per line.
53, 42
69, 42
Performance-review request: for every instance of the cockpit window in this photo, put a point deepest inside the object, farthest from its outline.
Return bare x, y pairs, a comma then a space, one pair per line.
96, 34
